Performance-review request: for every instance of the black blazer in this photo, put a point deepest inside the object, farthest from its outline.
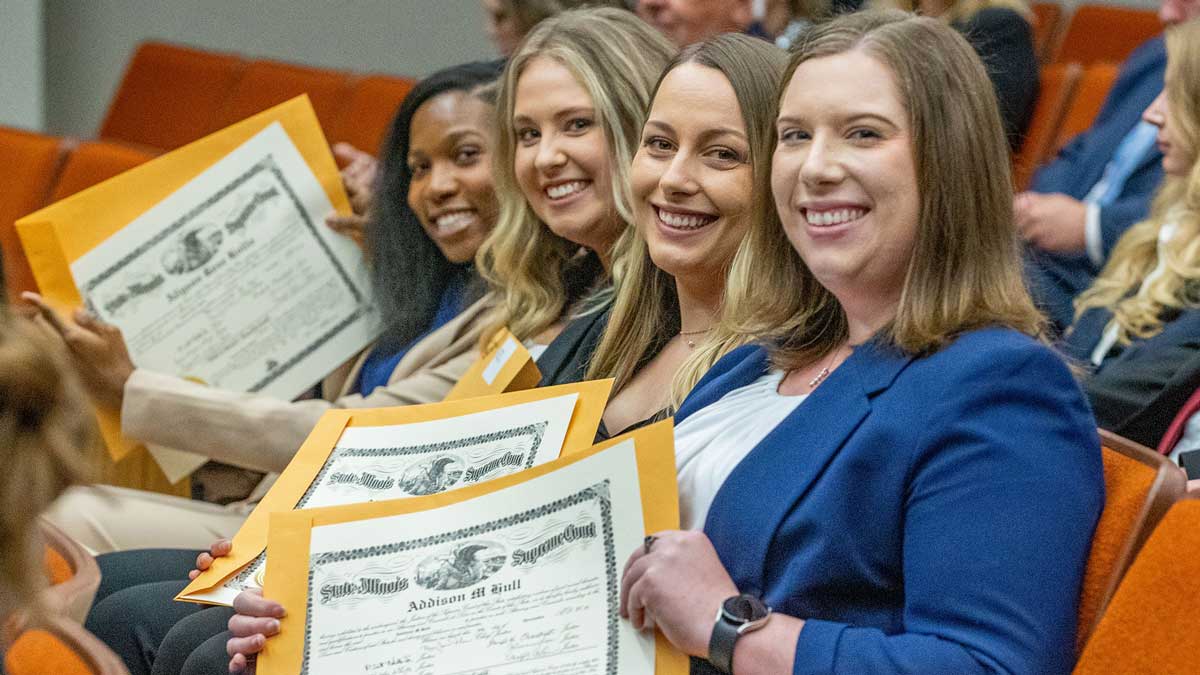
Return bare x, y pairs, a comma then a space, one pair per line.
566, 359
1137, 391
1004, 41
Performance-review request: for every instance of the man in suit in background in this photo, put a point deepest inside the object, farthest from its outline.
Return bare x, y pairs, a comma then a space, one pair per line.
1101, 183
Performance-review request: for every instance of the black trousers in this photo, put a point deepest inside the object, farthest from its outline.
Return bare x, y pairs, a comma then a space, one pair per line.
136, 615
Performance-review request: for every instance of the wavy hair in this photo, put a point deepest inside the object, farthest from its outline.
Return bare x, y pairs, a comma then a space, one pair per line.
645, 313
616, 58
408, 272
965, 270
1139, 314
45, 435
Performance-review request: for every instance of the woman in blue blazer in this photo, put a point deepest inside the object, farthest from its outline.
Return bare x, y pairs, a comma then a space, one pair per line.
905, 473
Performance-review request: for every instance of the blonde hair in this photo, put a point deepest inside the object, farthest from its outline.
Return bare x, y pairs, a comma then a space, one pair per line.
645, 313
44, 430
615, 57
965, 270
1139, 315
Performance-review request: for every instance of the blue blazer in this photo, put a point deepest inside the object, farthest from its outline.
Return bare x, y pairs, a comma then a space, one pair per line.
924, 515
1081, 162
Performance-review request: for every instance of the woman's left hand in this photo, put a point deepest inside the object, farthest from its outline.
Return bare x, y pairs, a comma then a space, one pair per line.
677, 586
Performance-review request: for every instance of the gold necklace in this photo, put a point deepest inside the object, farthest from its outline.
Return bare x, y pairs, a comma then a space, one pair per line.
690, 342
812, 384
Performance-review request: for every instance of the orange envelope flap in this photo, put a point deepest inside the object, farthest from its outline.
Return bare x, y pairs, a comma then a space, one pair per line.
290, 535
59, 234
506, 365
251, 538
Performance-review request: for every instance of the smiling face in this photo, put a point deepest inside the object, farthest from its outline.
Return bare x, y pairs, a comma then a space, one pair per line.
844, 178
562, 161
451, 190
692, 179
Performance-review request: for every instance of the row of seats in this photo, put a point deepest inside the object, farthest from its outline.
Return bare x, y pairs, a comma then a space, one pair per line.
1074, 39
50, 168
172, 95
1071, 96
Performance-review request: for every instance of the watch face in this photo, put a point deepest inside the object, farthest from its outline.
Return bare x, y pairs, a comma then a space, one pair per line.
744, 609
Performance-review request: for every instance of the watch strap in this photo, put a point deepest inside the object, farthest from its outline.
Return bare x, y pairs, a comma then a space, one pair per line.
720, 646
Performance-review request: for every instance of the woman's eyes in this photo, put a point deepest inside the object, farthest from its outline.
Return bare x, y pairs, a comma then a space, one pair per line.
726, 155
658, 144
527, 136
467, 155
793, 135
579, 124
862, 134
418, 169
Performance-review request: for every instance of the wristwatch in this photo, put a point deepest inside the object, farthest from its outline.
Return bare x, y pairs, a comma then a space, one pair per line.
738, 615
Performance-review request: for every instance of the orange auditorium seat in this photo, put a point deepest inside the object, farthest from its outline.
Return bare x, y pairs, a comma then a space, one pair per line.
1103, 33
1058, 87
1140, 485
36, 160
1150, 625
60, 647
93, 162
71, 571
1047, 17
268, 83
170, 95
1089, 97
366, 117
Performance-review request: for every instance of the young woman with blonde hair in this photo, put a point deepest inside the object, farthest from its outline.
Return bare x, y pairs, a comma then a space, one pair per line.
884, 448
700, 181
1137, 325
571, 101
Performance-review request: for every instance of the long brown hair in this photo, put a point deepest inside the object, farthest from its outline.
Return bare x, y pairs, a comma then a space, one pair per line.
645, 313
1139, 315
965, 269
44, 432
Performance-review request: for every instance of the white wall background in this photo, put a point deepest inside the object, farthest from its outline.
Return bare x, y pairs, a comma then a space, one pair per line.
21, 64
61, 60
88, 42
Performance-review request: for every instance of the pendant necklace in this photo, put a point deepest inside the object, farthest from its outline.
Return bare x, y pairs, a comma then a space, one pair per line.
690, 342
812, 384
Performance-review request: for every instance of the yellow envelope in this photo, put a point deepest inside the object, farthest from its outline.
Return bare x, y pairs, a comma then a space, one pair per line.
251, 539
61, 233
506, 365
290, 533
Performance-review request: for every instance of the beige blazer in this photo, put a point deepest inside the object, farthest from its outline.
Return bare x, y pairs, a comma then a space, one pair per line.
262, 433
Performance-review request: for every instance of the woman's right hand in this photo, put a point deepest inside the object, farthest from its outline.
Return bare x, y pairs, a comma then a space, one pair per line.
358, 178
97, 349
257, 619
219, 549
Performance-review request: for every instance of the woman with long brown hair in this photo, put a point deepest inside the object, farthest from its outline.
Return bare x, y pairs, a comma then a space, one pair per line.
875, 470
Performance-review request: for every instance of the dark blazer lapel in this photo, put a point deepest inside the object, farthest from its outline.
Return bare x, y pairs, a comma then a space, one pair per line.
751, 366
743, 518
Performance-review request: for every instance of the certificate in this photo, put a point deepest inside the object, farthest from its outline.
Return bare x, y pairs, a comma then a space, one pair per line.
520, 575
215, 212
425, 450
234, 280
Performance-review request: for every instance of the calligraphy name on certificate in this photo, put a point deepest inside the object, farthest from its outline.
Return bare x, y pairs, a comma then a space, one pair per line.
524, 582
234, 280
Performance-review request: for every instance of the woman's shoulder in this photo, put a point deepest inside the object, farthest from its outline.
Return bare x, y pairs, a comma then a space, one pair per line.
737, 368
991, 353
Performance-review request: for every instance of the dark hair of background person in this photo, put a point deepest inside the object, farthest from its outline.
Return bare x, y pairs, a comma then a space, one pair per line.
409, 274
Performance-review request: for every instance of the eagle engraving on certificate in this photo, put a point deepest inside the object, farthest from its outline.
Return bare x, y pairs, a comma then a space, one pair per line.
356, 475
531, 591
203, 293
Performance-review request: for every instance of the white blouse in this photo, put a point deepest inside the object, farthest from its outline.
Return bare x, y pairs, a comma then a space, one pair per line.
715, 439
